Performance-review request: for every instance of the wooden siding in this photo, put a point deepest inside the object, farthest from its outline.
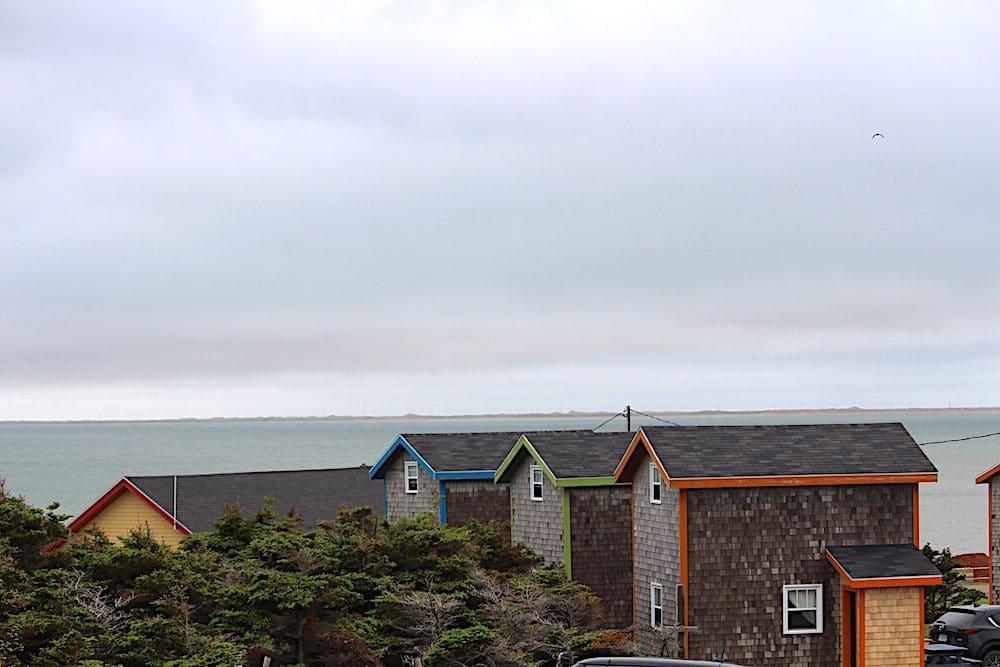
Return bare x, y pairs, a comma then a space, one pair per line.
657, 556
481, 500
402, 504
536, 524
745, 544
893, 632
994, 512
129, 512
601, 534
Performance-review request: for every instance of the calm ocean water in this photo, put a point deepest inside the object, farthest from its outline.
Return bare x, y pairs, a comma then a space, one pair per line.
75, 463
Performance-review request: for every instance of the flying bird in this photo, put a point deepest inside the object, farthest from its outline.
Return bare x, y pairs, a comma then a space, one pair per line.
878, 134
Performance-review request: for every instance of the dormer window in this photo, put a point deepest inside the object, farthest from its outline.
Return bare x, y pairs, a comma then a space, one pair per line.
536, 483
411, 477
655, 485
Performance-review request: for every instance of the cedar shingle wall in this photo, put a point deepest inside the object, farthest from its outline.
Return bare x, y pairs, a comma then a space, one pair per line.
400, 503
657, 557
995, 546
601, 532
536, 524
893, 634
745, 544
481, 500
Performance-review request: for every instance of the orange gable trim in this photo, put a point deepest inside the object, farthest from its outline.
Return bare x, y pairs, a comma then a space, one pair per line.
626, 471
800, 480
123, 486
883, 582
985, 477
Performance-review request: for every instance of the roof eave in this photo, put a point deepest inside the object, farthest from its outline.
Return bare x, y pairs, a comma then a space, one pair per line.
801, 480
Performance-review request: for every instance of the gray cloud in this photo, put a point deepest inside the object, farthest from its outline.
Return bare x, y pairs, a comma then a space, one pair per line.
215, 193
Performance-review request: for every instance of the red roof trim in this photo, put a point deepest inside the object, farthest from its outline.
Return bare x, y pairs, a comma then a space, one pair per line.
124, 485
985, 477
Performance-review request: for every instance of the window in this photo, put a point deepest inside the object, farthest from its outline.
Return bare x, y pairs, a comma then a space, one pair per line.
655, 485
536, 483
803, 609
411, 476
656, 605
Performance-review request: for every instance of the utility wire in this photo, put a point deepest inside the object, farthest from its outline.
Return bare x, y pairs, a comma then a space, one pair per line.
620, 414
665, 421
971, 437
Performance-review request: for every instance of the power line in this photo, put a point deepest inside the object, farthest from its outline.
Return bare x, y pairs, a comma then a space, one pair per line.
665, 421
971, 437
615, 416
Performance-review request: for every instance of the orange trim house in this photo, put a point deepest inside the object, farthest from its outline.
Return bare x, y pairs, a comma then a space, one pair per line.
797, 541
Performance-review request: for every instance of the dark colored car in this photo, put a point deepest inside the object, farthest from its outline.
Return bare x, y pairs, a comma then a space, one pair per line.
946, 654
973, 627
650, 662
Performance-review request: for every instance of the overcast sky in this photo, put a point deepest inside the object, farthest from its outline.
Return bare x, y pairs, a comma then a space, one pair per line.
309, 209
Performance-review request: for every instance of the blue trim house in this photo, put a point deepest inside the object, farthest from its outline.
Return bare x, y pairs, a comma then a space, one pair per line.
446, 474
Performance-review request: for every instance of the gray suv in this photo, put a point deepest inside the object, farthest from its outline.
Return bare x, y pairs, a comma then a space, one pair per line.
974, 627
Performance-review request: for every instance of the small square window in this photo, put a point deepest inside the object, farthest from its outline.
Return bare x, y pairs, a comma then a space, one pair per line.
536, 483
655, 485
802, 609
411, 477
655, 605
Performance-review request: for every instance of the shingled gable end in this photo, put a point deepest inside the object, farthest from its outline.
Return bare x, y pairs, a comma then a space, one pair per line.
793, 542
448, 475
992, 480
567, 506
172, 506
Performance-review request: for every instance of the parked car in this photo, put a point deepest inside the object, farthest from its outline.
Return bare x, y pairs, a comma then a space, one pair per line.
946, 654
650, 662
973, 627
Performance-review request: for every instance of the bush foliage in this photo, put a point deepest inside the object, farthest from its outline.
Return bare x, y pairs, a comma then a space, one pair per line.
351, 591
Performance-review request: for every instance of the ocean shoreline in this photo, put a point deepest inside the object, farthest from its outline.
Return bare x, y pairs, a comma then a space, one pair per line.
572, 414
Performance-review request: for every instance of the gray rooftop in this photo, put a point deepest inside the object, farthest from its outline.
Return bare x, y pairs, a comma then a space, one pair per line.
880, 561
798, 449
463, 451
315, 494
572, 454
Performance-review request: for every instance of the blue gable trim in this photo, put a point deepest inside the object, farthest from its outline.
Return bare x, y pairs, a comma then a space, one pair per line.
443, 503
465, 474
399, 442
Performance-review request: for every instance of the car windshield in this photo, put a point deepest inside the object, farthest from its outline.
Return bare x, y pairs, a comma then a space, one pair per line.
957, 618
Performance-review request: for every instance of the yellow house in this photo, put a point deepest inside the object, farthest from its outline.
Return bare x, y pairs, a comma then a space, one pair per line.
172, 506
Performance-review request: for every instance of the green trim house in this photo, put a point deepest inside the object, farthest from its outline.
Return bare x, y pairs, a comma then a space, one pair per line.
566, 505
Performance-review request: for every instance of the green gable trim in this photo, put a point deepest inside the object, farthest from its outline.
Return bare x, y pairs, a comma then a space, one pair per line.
567, 536
587, 481
523, 444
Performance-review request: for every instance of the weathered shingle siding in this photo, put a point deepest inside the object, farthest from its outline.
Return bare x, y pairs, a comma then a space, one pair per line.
995, 538
481, 500
536, 524
745, 544
657, 556
601, 533
402, 504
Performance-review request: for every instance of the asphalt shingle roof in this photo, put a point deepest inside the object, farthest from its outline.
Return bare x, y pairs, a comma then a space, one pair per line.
880, 561
785, 450
571, 454
315, 494
463, 451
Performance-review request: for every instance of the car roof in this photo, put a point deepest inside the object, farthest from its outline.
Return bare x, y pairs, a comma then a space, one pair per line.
651, 662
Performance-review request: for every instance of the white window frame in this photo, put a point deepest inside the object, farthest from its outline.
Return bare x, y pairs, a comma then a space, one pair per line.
540, 483
655, 482
788, 588
411, 472
655, 591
